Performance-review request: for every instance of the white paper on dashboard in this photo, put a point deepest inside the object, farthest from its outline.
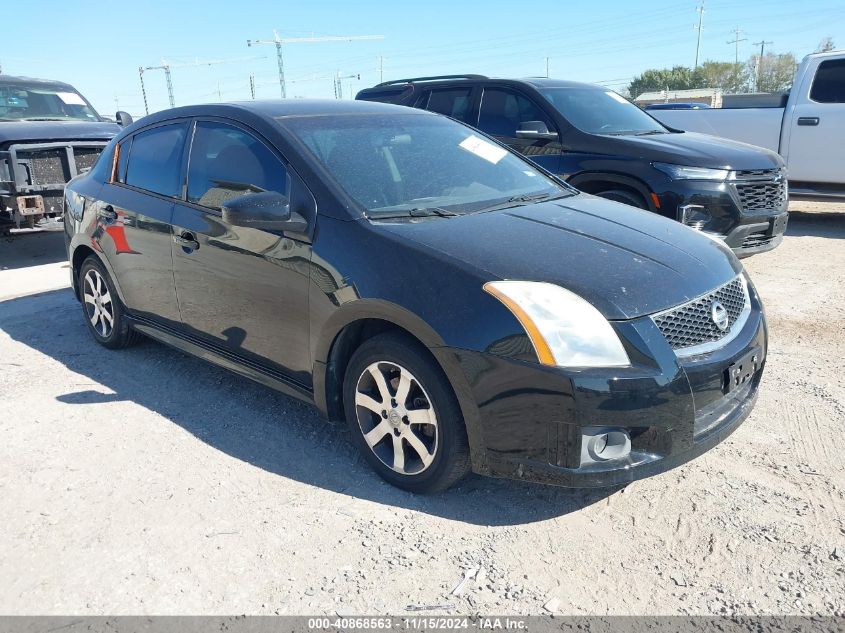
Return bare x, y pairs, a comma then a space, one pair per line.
481, 148
615, 96
70, 98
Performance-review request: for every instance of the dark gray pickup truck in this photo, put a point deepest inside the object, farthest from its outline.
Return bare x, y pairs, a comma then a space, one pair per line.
49, 133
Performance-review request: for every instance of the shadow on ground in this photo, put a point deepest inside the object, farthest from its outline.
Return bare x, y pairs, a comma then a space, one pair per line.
803, 224
255, 424
32, 249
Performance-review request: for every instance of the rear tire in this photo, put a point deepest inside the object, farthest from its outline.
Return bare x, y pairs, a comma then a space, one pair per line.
104, 313
403, 415
625, 197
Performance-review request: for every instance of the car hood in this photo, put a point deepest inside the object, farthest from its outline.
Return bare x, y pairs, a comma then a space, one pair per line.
52, 131
626, 262
698, 150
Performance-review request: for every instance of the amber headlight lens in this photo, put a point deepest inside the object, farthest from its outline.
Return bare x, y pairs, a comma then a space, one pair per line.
565, 329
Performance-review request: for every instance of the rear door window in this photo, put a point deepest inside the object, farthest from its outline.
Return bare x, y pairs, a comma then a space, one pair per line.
155, 159
227, 162
453, 102
829, 83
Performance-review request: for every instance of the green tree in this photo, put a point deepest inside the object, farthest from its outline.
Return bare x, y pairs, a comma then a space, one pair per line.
772, 72
655, 79
723, 76
825, 45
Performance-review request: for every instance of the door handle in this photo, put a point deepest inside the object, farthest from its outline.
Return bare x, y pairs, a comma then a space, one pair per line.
107, 213
187, 240
808, 120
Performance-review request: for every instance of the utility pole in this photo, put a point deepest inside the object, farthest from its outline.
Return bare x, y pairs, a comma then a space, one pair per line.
736, 40
143, 89
252, 86
169, 84
698, 28
760, 60
547, 67
166, 66
278, 41
338, 83
380, 69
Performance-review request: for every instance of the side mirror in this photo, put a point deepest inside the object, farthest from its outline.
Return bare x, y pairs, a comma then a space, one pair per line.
534, 130
267, 210
123, 118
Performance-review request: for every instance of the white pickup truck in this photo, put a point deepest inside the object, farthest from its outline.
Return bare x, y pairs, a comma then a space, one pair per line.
808, 129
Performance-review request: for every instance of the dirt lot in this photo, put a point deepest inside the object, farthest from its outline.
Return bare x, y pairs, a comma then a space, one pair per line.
144, 481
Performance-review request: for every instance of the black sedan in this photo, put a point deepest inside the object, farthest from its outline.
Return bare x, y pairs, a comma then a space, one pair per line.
458, 306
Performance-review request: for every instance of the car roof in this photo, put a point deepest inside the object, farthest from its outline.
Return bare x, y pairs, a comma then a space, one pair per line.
279, 108
536, 82
275, 108
269, 111
32, 81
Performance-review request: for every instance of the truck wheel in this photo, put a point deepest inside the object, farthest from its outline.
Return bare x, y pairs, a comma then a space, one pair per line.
104, 314
625, 197
403, 415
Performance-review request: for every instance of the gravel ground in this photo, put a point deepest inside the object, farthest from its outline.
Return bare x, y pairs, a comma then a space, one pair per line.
147, 482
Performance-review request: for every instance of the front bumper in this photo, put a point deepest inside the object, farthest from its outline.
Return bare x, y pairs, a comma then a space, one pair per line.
758, 237
745, 231
33, 177
532, 418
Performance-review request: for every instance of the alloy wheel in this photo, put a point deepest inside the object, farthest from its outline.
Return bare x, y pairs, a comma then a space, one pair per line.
98, 303
396, 418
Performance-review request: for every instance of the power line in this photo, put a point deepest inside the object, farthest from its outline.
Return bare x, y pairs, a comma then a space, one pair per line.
278, 41
166, 66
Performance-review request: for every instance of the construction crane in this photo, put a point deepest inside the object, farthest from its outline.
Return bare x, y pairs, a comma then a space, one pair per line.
166, 66
278, 41
338, 83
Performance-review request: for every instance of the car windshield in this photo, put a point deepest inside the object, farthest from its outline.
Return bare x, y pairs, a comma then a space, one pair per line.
598, 111
408, 164
26, 102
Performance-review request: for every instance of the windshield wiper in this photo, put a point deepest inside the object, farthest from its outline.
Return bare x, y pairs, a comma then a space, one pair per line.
649, 133
518, 201
419, 212
44, 118
530, 197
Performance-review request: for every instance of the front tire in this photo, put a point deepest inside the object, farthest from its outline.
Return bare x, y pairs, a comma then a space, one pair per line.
403, 415
104, 313
625, 197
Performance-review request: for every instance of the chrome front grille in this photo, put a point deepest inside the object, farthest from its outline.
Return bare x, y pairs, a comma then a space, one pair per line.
690, 327
761, 190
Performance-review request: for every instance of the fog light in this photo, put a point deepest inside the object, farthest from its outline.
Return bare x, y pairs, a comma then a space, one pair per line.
602, 444
694, 216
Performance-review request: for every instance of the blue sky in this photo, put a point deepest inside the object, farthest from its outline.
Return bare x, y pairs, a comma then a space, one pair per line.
97, 46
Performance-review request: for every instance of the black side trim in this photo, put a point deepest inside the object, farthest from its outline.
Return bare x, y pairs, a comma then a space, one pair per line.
222, 357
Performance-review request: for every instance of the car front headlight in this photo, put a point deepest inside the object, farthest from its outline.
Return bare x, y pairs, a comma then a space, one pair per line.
681, 172
565, 329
